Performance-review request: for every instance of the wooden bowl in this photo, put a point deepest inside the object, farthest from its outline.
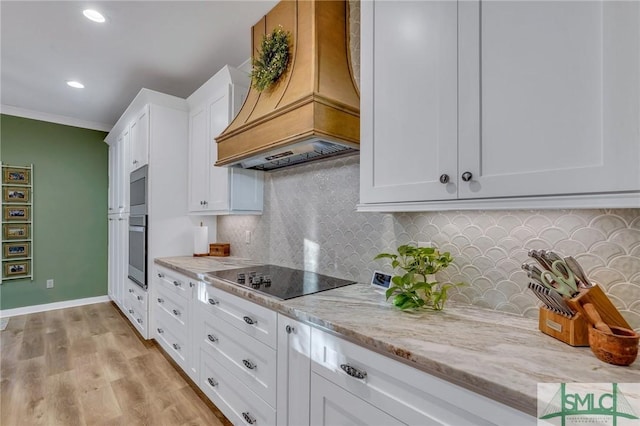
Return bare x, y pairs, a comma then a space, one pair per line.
619, 348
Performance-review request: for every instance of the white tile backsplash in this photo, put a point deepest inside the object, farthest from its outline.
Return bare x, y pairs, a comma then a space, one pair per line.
310, 222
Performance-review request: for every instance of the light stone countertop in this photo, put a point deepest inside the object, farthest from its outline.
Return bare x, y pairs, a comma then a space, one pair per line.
499, 355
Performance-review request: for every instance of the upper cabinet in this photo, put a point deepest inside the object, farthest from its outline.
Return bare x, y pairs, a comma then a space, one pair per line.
119, 174
500, 104
139, 132
219, 190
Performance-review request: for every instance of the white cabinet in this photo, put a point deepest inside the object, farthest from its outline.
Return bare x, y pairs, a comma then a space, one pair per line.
294, 368
350, 383
219, 190
500, 104
173, 313
152, 131
236, 340
119, 174
139, 139
135, 305
118, 253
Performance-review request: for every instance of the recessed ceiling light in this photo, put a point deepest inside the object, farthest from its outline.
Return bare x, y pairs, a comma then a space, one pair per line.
75, 84
94, 15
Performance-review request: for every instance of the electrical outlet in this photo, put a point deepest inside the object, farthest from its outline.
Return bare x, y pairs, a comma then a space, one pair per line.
424, 243
49, 283
247, 237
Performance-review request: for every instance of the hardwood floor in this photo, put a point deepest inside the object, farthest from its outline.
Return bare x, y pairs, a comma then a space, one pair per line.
87, 366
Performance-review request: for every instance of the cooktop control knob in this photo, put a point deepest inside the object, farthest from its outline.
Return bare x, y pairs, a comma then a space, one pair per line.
241, 278
266, 281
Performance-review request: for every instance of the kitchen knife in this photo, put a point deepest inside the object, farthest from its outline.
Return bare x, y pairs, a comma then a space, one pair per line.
540, 296
578, 271
535, 254
560, 302
553, 304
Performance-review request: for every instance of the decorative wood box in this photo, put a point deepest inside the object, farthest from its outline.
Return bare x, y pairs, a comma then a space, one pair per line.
219, 249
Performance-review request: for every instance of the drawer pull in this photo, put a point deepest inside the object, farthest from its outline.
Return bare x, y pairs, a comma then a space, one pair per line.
191, 284
213, 302
249, 364
177, 283
249, 320
160, 300
160, 331
176, 312
289, 329
212, 382
160, 275
139, 297
176, 346
139, 320
130, 290
249, 418
354, 372
130, 311
212, 338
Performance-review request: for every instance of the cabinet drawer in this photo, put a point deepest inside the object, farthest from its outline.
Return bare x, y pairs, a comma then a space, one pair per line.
173, 340
136, 315
408, 394
136, 296
251, 361
256, 321
174, 282
174, 307
235, 400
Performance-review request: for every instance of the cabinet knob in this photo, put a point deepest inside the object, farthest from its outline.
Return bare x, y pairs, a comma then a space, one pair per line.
130, 311
160, 331
205, 202
353, 371
213, 302
176, 312
160, 275
249, 364
191, 284
249, 418
249, 320
160, 300
139, 320
139, 297
176, 346
212, 338
177, 283
466, 176
444, 178
289, 329
212, 382
130, 290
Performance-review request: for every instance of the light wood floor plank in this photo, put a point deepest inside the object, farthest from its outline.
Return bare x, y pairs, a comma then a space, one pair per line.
87, 366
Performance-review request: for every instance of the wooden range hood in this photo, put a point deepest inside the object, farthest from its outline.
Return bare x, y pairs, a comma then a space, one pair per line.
313, 110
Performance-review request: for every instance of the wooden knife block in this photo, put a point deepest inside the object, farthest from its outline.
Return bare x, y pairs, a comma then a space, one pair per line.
574, 331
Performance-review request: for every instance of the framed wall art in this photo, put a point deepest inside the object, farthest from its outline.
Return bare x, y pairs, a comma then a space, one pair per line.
16, 194
16, 175
17, 222
16, 250
17, 268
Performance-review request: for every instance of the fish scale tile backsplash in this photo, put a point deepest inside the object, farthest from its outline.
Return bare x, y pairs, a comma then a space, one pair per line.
310, 222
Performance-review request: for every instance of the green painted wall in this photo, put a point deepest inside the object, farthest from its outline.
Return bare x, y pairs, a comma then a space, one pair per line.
70, 181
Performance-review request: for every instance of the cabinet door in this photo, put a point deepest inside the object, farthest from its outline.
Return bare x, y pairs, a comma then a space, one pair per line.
122, 257
294, 372
220, 115
409, 105
198, 159
549, 97
123, 172
113, 180
331, 405
140, 139
112, 265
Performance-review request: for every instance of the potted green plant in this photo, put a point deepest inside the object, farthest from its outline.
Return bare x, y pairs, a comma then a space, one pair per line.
411, 289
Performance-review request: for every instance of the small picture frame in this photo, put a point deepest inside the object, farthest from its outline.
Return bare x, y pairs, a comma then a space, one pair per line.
16, 213
16, 250
15, 231
380, 280
16, 194
14, 175
16, 268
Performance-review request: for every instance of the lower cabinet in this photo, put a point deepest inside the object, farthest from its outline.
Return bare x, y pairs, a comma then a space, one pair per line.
263, 368
135, 304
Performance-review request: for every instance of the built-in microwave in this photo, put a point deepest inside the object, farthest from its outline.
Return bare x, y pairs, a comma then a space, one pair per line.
138, 191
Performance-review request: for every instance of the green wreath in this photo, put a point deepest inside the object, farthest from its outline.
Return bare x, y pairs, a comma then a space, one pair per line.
272, 59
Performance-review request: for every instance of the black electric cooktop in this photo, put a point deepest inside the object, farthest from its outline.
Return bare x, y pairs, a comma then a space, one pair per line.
278, 281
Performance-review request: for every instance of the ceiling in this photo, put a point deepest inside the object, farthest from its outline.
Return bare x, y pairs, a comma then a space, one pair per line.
172, 47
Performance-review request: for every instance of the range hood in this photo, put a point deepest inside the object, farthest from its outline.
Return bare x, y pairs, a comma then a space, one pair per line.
313, 110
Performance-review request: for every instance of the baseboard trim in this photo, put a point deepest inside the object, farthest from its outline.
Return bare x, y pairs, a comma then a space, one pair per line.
5, 313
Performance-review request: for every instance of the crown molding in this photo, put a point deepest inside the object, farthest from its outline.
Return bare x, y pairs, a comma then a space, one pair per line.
53, 118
